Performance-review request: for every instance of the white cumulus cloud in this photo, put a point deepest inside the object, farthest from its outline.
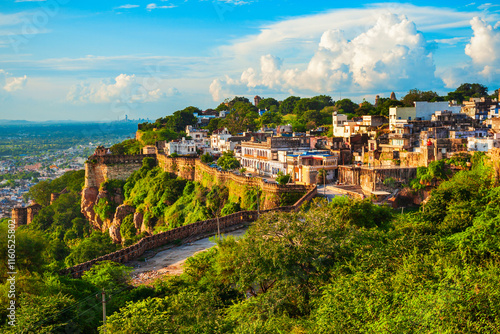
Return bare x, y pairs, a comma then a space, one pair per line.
13, 84
9, 83
484, 46
391, 54
484, 52
125, 88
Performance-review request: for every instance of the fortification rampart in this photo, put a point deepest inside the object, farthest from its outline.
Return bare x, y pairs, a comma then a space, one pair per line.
180, 166
100, 168
180, 233
222, 177
24, 216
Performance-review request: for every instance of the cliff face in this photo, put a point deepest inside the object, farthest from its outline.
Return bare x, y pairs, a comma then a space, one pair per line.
98, 170
89, 200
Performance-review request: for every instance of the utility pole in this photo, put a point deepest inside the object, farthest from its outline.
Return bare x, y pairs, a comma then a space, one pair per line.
103, 309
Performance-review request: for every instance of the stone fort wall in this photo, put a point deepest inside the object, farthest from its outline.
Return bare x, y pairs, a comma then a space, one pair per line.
98, 169
196, 229
24, 216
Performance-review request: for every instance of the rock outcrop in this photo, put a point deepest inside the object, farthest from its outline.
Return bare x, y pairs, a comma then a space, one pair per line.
89, 200
121, 212
138, 218
90, 197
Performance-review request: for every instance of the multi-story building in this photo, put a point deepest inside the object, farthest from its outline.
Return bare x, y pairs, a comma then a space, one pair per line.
342, 127
219, 141
483, 144
269, 157
479, 107
304, 167
422, 111
181, 147
198, 135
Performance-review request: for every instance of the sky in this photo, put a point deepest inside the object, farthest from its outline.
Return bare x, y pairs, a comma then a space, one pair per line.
101, 60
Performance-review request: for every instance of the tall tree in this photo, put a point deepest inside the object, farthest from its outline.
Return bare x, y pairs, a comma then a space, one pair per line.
242, 118
288, 105
418, 95
345, 106
466, 91
267, 103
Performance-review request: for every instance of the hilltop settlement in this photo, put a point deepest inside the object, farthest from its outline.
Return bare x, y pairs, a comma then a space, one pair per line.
363, 150
380, 216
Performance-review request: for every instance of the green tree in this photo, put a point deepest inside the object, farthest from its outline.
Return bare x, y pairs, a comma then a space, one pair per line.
472, 90
242, 117
418, 95
129, 146
345, 106
366, 108
384, 104
267, 103
227, 161
207, 158
214, 124
288, 105
270, 118
96, 245
181, 118
108, 275
282, 178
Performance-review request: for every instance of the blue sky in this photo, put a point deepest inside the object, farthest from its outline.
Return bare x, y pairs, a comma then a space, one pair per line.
101, 60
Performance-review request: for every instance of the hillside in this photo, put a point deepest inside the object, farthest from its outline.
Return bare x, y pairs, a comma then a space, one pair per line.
346, 266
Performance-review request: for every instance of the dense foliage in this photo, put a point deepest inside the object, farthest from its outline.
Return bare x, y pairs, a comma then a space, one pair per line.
168, 202
228, 161
59, 233
345, 267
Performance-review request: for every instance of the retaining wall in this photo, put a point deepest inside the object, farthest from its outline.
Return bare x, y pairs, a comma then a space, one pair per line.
199, 228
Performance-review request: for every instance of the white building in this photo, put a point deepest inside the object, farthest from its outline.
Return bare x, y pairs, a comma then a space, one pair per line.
181, 147
270, 157
198, 135
422, 111
483, 144
219, 141
342, 127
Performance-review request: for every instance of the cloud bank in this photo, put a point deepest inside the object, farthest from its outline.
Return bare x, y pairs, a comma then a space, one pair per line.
391, 53
124, 89
484, 52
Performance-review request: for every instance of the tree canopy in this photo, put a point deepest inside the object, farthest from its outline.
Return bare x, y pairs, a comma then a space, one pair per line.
227, 161
418, 95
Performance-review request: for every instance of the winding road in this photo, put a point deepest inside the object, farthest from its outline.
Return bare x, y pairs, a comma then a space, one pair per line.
171, 261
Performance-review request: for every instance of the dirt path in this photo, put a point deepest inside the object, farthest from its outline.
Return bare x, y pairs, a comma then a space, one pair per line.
171, 261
